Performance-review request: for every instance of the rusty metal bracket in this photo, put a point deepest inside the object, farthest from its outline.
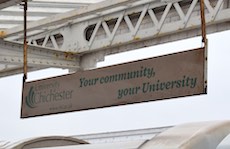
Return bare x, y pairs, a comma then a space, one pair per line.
25, 42
204, 42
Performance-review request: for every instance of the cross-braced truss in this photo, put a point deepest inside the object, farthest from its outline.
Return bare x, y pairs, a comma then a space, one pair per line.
116, 26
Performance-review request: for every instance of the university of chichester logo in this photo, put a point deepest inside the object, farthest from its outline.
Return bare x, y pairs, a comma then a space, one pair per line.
49, 93
30, 99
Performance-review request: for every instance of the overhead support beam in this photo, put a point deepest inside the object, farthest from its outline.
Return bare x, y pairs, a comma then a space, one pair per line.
100, 10
120, 25
128, 22
12, 53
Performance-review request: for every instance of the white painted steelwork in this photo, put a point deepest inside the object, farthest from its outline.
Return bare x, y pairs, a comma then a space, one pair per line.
11, 56
114, 26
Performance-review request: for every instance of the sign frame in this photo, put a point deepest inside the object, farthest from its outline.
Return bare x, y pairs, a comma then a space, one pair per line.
151, 77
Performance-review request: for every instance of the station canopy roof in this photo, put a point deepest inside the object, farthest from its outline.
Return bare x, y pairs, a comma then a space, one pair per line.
11, 11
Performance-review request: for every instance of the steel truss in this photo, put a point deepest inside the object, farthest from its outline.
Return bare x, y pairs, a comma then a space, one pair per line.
121, 25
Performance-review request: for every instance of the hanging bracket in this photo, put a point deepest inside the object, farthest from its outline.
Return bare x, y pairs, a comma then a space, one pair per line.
204, 42
25, 42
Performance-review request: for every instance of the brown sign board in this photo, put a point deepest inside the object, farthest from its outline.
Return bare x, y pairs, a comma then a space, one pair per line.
174, 75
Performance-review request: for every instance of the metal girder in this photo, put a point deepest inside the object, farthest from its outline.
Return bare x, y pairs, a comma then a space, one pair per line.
120, 25
122, 22
11, 54
116, 26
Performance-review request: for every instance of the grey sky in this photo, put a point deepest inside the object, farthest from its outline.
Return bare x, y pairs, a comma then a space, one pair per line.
214, 106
